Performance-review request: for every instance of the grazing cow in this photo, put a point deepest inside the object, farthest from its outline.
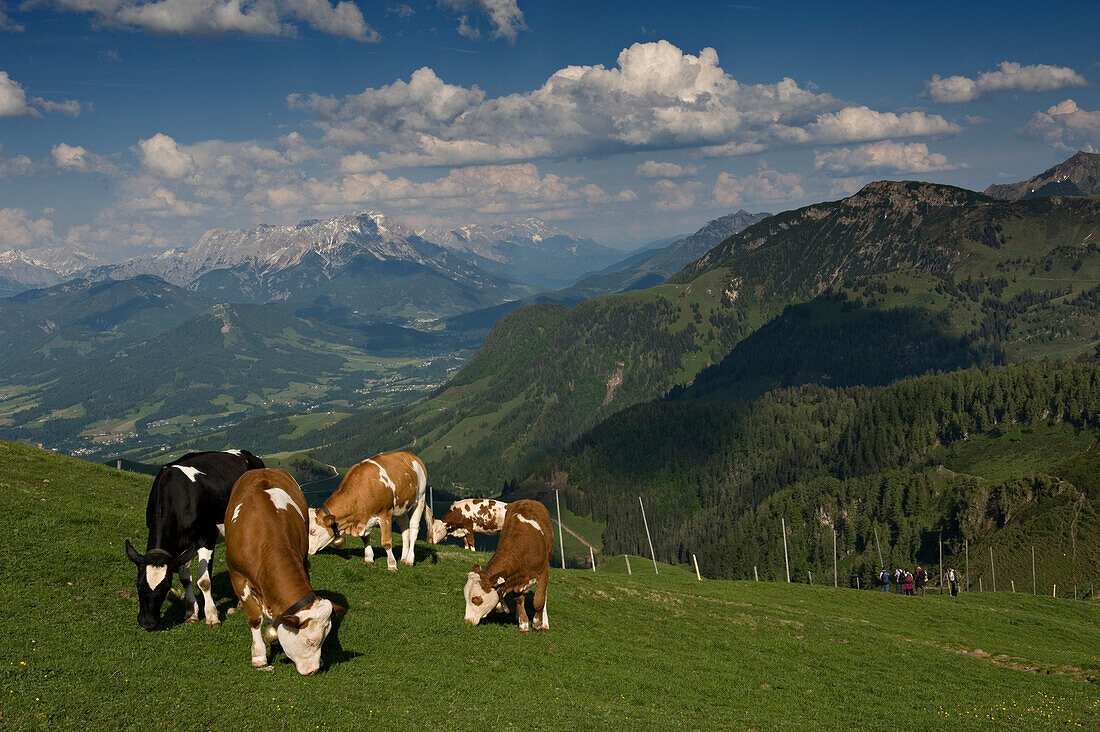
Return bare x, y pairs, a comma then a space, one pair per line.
522, 559
483, 515
184, 515
371, 494
266, 539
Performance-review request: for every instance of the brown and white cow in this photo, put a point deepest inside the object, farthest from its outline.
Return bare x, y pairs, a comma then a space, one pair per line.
373, 493
483, 515
522, 559
266, 540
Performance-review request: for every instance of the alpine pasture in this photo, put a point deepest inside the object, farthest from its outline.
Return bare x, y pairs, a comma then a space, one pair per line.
625, 651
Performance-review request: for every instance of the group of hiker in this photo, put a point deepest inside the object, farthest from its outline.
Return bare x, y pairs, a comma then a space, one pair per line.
913, 583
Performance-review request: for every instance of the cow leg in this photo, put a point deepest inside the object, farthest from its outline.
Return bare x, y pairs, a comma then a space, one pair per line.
192, 613
206, 560
406, 534
468, 540
541, 620
521, 611
368, 552
385, 522
410, 534
255, 616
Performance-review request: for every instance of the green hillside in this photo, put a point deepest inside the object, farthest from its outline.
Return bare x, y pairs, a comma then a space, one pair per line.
624, 651
1002, 457
899, 279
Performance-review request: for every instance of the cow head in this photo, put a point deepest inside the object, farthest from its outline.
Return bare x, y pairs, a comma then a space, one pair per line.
482, 594
437, 532
323, 530
155, 570
302, 634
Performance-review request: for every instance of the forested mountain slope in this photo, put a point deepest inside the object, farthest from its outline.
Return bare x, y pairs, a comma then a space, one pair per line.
980, 280
1005, 456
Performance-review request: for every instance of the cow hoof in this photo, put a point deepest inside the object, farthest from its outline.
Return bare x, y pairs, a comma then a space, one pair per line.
230, 611
368, 561
544, 630
191, 619
392, 567
263, 667
523, 628
213, 623
407, 564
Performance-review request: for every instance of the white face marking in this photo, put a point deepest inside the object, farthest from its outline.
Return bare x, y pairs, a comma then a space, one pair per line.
319, 536
526, 520
303, 646
155, 574
478, 602
190, 472
439, 531
236, 511
233, 452
282, 499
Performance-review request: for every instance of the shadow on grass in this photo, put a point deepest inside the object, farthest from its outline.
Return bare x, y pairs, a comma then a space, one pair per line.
420, 553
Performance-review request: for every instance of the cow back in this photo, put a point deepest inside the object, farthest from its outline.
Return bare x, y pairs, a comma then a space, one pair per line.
266, 534
390, 481
525, 544
189, 497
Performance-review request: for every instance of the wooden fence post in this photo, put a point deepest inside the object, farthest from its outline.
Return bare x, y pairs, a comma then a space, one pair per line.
786, 563
561, 539
696, 562
648, 538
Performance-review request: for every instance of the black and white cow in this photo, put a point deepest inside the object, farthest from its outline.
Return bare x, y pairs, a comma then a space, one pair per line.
185, 516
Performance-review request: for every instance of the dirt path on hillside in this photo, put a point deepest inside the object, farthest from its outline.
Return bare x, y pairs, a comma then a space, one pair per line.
577, 536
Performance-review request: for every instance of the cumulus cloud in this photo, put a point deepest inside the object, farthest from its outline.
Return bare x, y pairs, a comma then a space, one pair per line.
886, 156
1009, 75
13, 100
76, 158
1066, 126
162, 155
69, 107
673, 196
504, 15
217, 17
657, 97
764, 186
653, 169
18, 229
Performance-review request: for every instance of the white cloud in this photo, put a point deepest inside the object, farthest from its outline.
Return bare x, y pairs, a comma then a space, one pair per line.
69, 107
18, 229
853, 124
402, 10
653, 169
13, 100
675, 196
886, 156
163, 202
765, 186
9, 25
1009, 75
504, 15
161, 155
20, 165
216, 17
76, 158
1066, 126
657, 97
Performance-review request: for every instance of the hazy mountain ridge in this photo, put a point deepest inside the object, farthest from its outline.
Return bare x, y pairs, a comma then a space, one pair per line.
1077, 176
24, 269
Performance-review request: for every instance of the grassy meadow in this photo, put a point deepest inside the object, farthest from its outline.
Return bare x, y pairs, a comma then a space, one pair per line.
625, 651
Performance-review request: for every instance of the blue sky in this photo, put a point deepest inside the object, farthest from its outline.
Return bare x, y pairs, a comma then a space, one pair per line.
130, 126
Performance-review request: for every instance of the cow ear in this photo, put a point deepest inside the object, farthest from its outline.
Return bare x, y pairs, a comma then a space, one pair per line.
338, 609
133, 554
185, 556
291, 621
477, 568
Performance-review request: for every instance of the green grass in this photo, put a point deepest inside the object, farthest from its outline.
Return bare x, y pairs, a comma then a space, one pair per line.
1014, 450
625, 652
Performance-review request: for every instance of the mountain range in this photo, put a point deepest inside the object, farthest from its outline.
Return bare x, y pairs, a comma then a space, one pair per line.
1077, 176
